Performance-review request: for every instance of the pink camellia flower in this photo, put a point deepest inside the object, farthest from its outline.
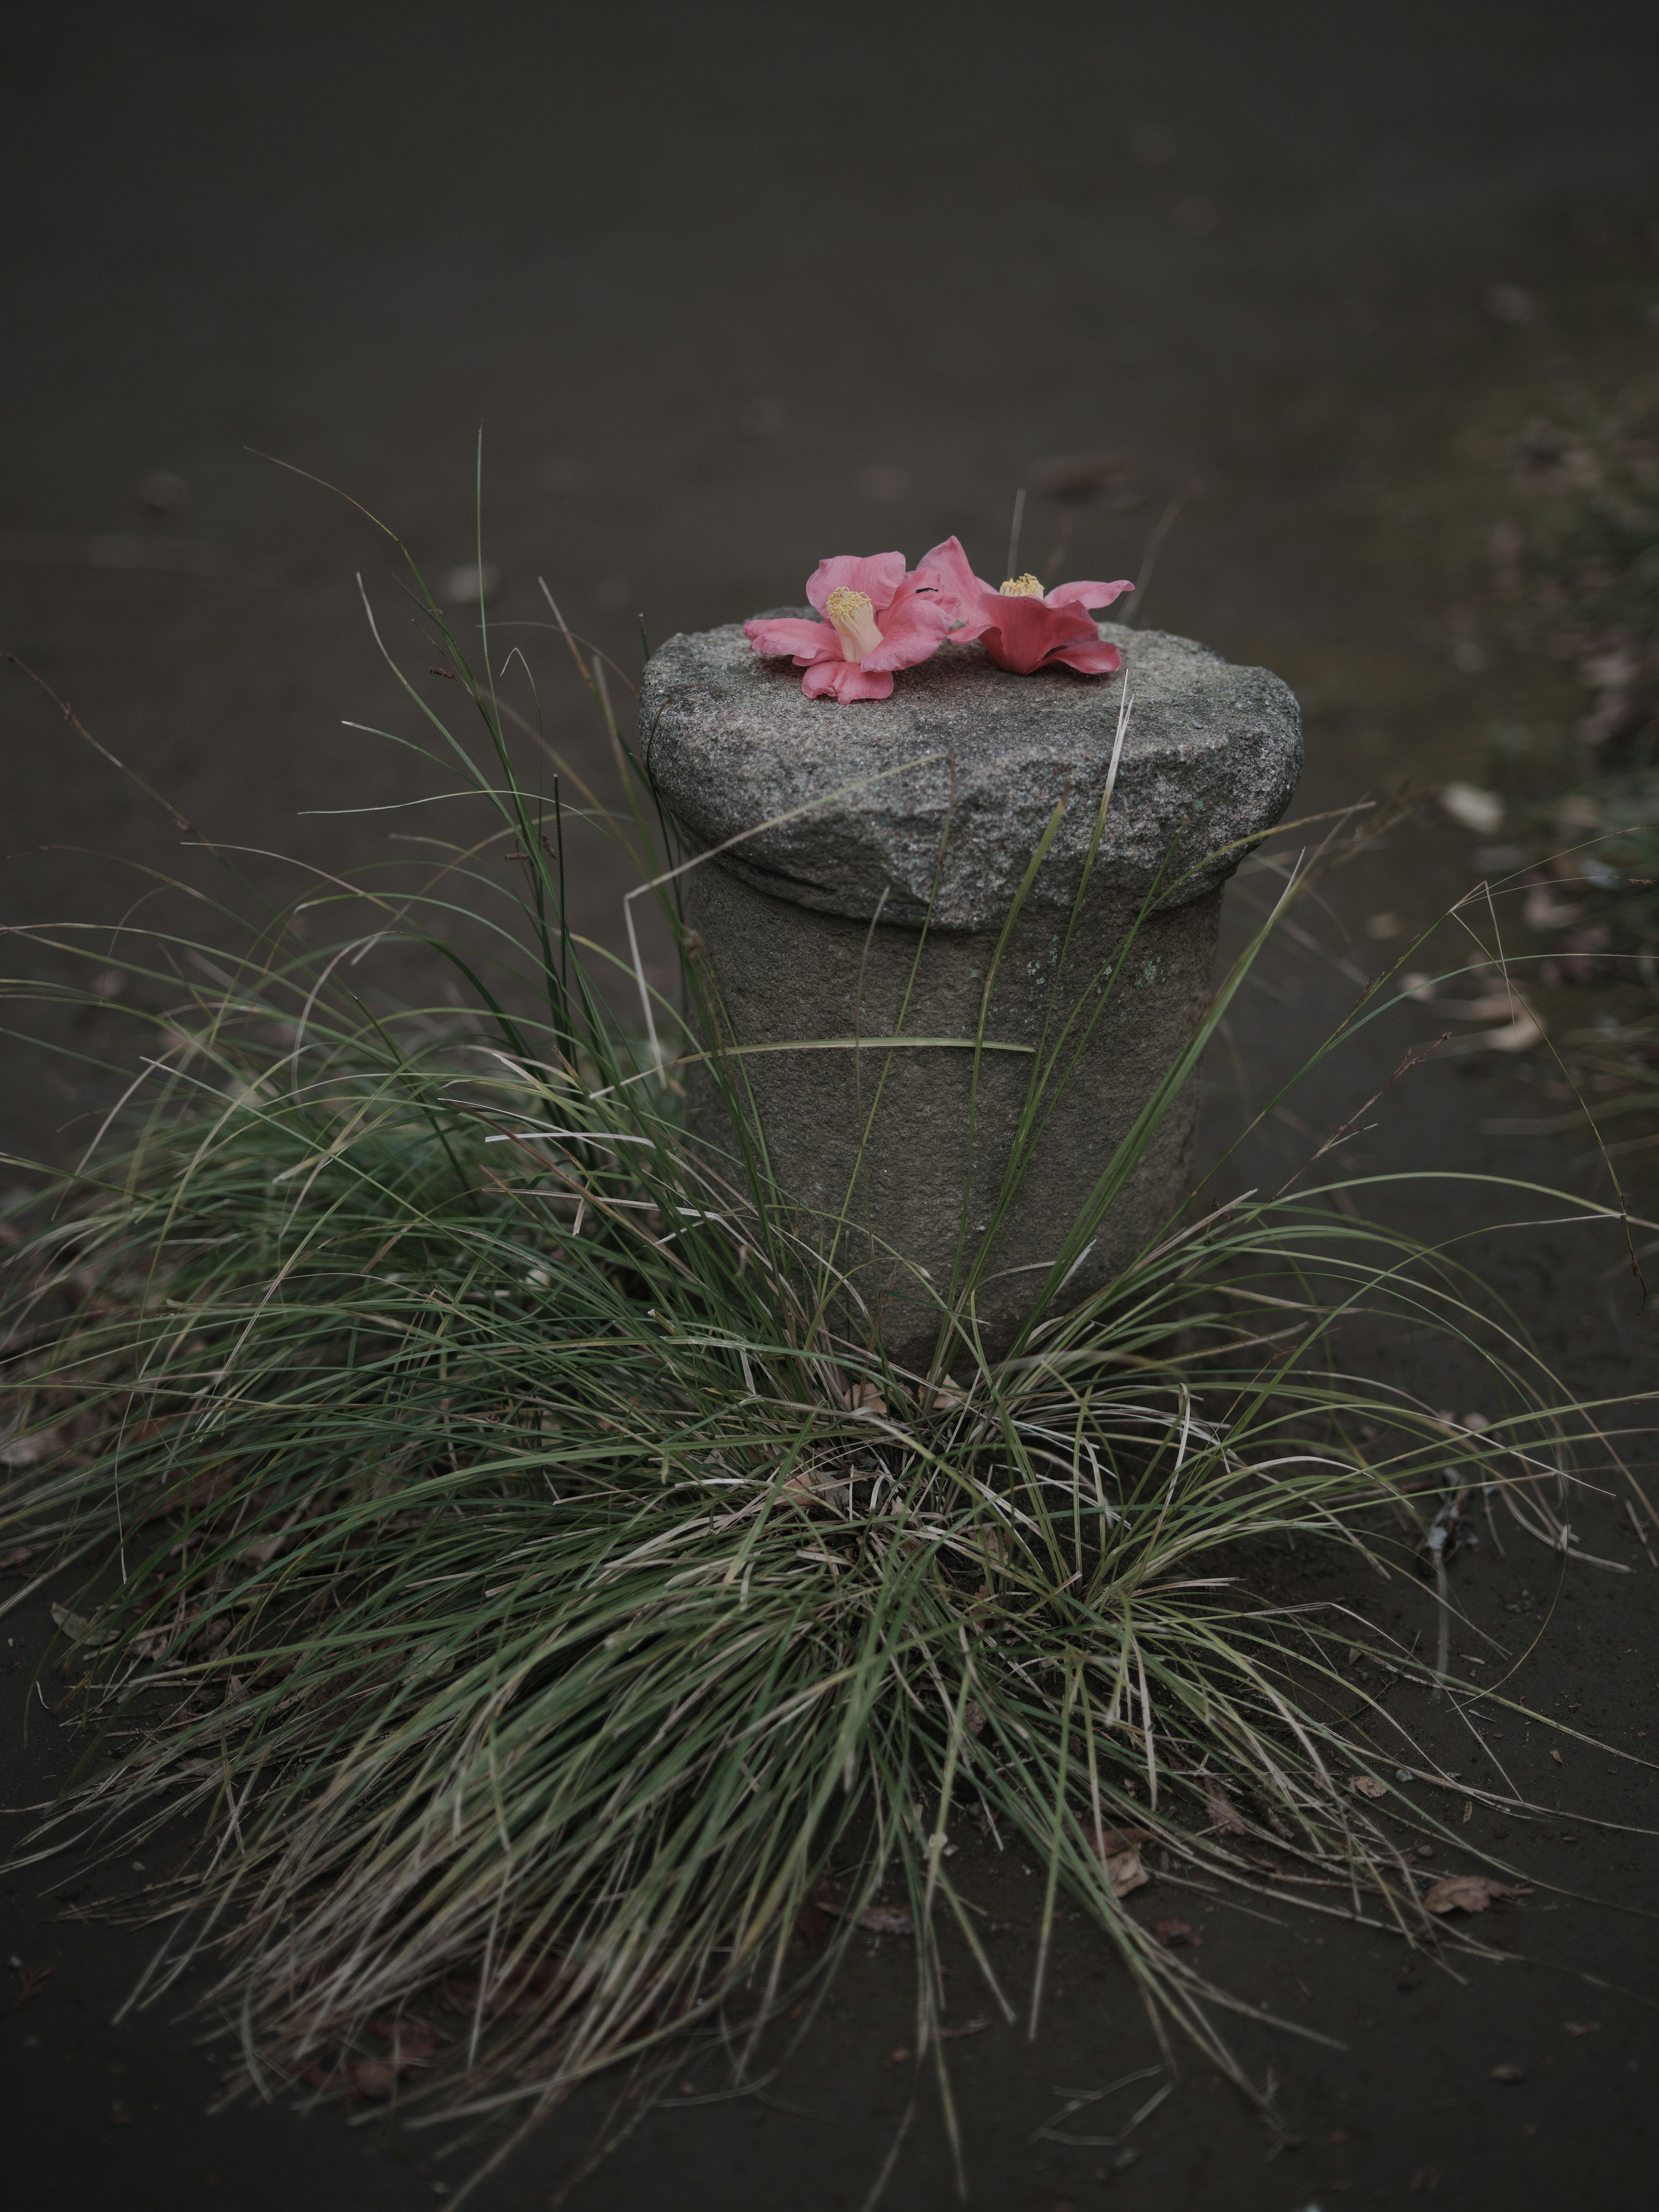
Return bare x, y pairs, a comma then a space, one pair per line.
878, 616
1020, 625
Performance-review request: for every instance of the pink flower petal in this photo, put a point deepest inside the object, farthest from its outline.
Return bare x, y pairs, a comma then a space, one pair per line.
1026, 632
984, 610
1086, 595
846, 680
911, 628
877, 575
959, 588
793, 634
1097, 659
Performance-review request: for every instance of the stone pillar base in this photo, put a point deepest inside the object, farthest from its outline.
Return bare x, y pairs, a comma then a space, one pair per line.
859, 824
879, 1145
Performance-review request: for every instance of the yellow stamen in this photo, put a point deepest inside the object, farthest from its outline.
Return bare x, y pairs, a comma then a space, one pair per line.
854, 621
1021, 588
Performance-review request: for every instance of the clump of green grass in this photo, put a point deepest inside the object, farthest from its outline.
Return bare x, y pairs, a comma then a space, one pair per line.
499, 1551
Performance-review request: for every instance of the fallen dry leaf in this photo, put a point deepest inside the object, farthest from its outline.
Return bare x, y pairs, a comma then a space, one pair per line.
1490, 1006
1222, 1812
1469, 1893
1509, 2073
1556, 1756
1116, 1851
812, 1920
16, 1556
371, 2078
1581, 2026
886, 1920
1173, 1933
867, 1401
1524, 1032
30, 1980
155, 1641
413, 2041
316, 2076
79, 1629
1364, 1785
370, 2081
24, 1451
825, 1905
517, 1991
1474, 808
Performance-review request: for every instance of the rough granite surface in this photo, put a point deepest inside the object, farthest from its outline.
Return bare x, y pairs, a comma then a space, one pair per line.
1212, 756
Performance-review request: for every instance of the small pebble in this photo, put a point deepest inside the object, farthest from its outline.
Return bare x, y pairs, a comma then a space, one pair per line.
464, 586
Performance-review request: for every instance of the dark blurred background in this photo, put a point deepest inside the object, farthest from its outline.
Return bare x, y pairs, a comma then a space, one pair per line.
727, 288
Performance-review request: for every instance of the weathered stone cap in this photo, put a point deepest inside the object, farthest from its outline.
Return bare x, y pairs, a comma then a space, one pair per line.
731, 741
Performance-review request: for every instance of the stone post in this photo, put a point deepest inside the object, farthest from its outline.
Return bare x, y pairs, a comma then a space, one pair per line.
851, 914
